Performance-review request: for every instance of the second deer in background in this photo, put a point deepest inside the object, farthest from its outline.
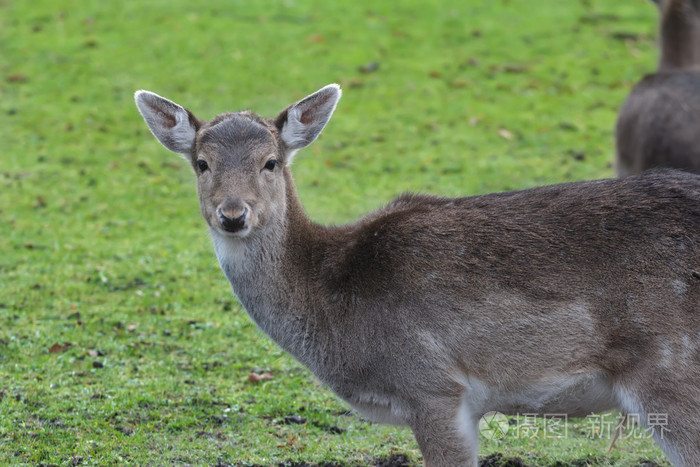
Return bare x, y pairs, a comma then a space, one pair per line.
659, 124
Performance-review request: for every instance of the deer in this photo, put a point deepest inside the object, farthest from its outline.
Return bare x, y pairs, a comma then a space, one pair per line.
657, 124
429, 312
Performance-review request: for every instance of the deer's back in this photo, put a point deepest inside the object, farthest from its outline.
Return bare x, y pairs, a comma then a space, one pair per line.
658, 124
530, 237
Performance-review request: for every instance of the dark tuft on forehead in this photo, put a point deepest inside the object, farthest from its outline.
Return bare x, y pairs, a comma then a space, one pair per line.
245, 114
239, 129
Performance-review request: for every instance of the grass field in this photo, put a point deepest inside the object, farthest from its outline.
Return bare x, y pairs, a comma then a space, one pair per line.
120, 342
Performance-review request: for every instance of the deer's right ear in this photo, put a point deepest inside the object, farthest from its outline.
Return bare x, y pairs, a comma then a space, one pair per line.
174, 126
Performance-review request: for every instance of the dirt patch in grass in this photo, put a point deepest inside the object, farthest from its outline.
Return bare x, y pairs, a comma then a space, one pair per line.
499, 460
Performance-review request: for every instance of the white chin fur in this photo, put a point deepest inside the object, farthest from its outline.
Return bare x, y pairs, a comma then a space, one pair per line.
238, 234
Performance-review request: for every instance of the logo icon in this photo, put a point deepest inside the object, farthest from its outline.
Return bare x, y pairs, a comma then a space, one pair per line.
494, 425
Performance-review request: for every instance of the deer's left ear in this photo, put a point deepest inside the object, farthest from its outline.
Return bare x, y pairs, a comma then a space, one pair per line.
300, 124
173, 125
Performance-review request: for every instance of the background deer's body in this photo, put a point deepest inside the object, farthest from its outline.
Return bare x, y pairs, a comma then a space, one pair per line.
430, 312
657, 125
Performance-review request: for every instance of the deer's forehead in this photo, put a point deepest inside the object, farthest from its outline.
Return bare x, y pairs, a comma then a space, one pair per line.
239, 135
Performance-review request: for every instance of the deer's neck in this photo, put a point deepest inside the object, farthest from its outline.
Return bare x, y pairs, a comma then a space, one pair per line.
271, 275
679, 36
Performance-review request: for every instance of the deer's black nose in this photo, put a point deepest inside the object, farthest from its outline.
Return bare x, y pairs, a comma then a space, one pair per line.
233, 221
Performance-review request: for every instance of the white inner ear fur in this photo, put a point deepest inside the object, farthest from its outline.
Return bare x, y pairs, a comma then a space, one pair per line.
158, 112
296, 134
183, 133
293, 132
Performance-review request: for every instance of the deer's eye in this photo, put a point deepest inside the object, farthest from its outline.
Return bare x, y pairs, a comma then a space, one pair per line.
271, 164
202, 165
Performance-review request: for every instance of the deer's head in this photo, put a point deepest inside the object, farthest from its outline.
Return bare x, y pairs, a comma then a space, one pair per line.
241, 160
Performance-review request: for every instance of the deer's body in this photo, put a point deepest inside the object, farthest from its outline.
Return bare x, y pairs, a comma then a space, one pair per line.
657, 125
430, 312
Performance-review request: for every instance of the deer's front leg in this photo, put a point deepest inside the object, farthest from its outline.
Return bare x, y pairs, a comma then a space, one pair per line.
447, 433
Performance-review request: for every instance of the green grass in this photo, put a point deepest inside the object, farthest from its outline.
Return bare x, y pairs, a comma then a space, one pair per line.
101, 241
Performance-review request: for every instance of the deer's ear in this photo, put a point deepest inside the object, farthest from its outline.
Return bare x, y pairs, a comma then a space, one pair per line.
173, 125
300, 124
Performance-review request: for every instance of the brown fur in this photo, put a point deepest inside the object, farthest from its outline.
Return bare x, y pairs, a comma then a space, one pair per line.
431, 311
658, 124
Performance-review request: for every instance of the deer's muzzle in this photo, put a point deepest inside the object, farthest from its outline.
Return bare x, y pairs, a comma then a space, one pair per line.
233, 219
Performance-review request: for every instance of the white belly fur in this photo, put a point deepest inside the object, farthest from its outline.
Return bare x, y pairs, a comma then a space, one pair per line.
575, 395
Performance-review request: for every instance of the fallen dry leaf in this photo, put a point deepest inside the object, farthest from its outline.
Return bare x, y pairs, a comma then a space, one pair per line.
17, 78
292, 442
505, 134
256, 378
60, 348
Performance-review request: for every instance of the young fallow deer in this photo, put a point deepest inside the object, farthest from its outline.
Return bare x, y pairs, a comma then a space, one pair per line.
430, 312
658, 123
